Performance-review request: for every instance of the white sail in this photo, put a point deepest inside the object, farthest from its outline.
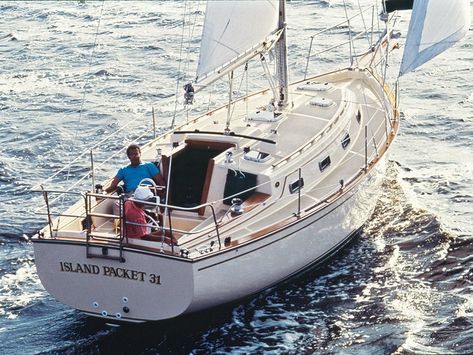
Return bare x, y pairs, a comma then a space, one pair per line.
435, 26
235, 30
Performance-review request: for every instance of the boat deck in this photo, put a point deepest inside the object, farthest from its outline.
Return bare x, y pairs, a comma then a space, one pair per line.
332, 130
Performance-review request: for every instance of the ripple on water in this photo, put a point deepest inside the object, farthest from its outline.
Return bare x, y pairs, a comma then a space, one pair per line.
404, 286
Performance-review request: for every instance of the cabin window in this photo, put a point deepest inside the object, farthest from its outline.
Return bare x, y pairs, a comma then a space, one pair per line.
324, 164
296, 185
345, 141
358, 116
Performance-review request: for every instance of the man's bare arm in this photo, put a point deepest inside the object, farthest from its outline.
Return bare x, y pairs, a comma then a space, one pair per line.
159, 180
113, 185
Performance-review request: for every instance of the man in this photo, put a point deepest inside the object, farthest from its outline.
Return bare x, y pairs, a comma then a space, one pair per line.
134, 213
132, 174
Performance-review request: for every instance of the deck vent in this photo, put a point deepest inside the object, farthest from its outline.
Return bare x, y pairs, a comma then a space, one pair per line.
321, 102
324, 164
314, 86
346, 140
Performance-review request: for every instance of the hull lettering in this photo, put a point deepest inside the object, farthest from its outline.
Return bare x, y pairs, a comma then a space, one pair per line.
124, 273
109, 271
79, 268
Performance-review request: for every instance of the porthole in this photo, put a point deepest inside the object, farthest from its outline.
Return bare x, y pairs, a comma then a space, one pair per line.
296, 185
346, 140
324, 164
358, 116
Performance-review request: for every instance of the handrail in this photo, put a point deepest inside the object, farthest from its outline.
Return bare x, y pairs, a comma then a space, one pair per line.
179, 208
48, 209
228, 134
57, 214
315, 138
208, 204
172, 207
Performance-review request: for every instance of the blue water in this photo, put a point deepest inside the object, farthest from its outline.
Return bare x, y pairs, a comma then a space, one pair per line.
405, 285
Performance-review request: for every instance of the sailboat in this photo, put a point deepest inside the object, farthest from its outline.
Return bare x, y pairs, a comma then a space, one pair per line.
258, 190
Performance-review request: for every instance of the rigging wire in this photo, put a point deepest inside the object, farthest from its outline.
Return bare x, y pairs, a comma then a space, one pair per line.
90, 65
190, 36
245, 71
352, 44
84, 93
247, 89
364, 24
179, 66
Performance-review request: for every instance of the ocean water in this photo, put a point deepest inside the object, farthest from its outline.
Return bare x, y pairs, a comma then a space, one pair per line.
72, 73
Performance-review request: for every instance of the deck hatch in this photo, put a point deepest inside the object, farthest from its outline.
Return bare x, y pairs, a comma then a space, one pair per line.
257, 157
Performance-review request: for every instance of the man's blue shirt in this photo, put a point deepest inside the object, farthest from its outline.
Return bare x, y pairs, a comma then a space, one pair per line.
132, 175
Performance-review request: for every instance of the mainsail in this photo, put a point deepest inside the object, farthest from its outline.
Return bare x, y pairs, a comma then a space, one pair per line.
234, 32
435, 26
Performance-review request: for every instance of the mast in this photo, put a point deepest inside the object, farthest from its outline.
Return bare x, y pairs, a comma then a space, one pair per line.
281, 57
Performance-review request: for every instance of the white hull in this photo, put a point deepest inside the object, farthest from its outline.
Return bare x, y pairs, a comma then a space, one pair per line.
338, 149
287, 252
256, 191
131, 291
